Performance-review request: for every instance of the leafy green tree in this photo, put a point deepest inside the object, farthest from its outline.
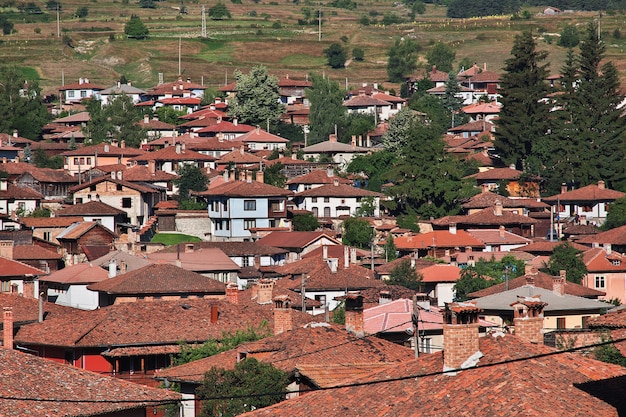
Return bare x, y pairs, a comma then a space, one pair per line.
305, 223
273, 175
190, 178
135, 28
335, 55
402, 59
524, 117
249, 377
391, 252
451, 100
616, 216
358, 54
395, 139
437, 115
600, 133
170, 115
147, 4
257, 99
228, 341
355, 124
405, 275
609, 353
469, 282
327, 110
219, 12
21, 104
408, 221
82, 12
484, 274
123, 116
291, 131
442, 56
569, 37
357, 232
427, 180
338, 315
374, 166
6, 25
566, 257
41, 160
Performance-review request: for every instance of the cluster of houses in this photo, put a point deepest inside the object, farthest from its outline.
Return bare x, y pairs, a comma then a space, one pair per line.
86, 291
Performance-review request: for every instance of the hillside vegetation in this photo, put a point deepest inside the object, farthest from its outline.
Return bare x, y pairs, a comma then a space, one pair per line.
282, 35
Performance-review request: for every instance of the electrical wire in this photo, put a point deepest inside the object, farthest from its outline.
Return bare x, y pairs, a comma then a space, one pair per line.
351, 385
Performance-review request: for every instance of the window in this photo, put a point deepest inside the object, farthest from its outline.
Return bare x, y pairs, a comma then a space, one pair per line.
127, 202
307, 187
88, 160
75, 161
118, 187
249, 205
225, 205
245, 261
326, 211
600, 282
616, 262
99, 221
79, 201
46, 236
81, 160
314, 199
92, 188
585, 320
83, 94
315, 211
326, 199
249, 224
321, 298
587, 209
70, 94
425, 345
560, 322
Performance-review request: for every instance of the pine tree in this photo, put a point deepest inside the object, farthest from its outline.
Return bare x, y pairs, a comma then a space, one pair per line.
596, 118
451, 101
524, 118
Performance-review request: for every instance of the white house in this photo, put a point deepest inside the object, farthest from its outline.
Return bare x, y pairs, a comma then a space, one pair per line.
83, 89
68, 286
337, 199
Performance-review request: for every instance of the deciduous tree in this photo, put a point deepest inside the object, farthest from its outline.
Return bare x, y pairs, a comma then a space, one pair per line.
405, 275
257, 99
326, 98
335, 55
305, 223
402, 59
566, 257
442, 56
190, 178
135, 28
219, 12
357, 232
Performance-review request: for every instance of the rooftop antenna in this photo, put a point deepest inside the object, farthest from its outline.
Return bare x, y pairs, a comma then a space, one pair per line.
203, 22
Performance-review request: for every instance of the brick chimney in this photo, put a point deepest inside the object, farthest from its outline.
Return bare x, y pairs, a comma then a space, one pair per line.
265, 288
354, 313
260, 176
6, 249
29, 289
215, 313
528, 318
232, 293
501, 231
7, 324
346, 257
152, 166
282, 314
558, 283
498, 208
460, 336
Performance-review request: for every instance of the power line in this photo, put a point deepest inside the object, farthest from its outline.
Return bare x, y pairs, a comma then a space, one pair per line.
350, 385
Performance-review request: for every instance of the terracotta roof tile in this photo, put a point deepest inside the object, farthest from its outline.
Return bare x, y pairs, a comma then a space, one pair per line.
76, 230
103, 149
497, 237
90, 208
204, 259
246, 189
498, 174
174, 153
33, 252
616, 236
83, 273
320, 277
440, 273
159, 279
43, 386
598, 260
226, 127
141, 173
19, 193
437, 238
10, 268
592, 192
545, 247
294, 239
309, 345
231, 248
573, 384
260, 135
43, 222
486, 217
338, 190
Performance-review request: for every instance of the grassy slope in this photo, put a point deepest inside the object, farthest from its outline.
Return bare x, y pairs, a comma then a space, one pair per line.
246, 41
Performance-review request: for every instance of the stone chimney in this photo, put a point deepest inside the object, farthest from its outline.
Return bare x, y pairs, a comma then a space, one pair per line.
353, 256
7, 324
558, 283
329, 172
260, 176
232, 293
6, 249
332, 138
265, 288
601, 185
501, 232
384, 297
152, 166
528, 318
346, 257
608, 248
178, 148
282, 314
146, 119
354, 313
460, 336
112, 268
485, 188
498, 208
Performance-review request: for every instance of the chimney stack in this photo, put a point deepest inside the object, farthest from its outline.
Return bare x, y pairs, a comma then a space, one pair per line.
354, 313
353, 256
152, 166
460, 336
384, 297
346, 257
215, 314
112, 268
29, 289
282, 314
232, 293
601, 185
265, 288
324, 252
528, 318
501, 232
260, 176
563, 188
498, 208
558, 283
6, 249
8, 328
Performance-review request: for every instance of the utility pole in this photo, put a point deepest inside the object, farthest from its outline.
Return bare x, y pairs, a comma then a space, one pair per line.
319, 24
415, 320
303, 293
58, 22
203, 22
180, 41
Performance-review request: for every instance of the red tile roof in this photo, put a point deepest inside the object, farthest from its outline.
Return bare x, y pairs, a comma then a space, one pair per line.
321, 344
438, 239
498, 174
90, 208
440, 273
540, 280
614, 319
486, 217
598, 260
250, 189
239, 157
146, 323
83, 273
19, 193
545, 247
174, 153
497, 237
132, 185
159, 279
39, 388
141, 173
364, 101
226, 127
293, 239
200, 260
616, 236
14, 269
320, 277
338, 190
34, 252
260, 135
103, 149
52, 222
482, 108
487, 199
590, 193
230, 248
546, 384
77, 230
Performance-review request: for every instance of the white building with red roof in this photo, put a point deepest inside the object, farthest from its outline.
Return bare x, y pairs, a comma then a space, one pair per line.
336, 199
259, 139
76, 92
